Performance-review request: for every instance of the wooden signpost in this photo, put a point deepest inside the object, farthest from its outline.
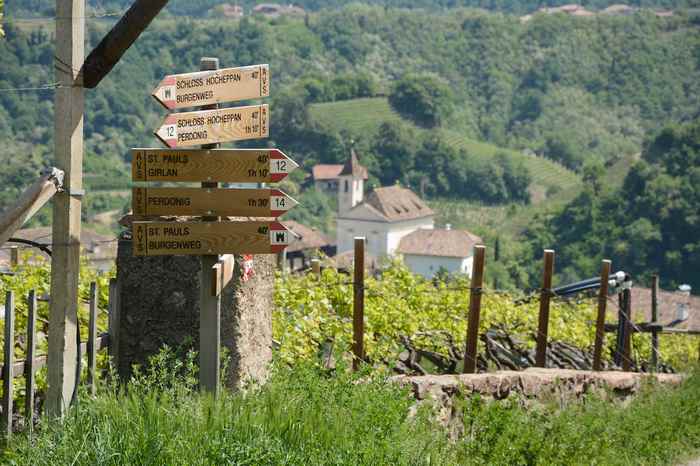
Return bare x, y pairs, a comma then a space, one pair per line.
205, 238
214, 126
211, 201
218, 165
213, 87
210, 235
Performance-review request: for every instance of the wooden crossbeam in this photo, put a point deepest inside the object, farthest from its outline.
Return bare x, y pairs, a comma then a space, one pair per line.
117, 41
29, 203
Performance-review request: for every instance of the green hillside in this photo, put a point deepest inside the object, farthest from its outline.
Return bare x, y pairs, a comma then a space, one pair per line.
364, 116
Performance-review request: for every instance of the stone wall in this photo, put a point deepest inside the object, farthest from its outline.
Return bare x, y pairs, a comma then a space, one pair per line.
159, 304
530, 386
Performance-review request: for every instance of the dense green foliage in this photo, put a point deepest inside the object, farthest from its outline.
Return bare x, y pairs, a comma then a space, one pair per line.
311, 312
306, 417
35, 275
207, 7
650, 224
582, 91
569, 88
424, 99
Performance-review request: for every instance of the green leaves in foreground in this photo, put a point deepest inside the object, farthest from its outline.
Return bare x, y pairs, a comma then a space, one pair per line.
299, 417
304, 417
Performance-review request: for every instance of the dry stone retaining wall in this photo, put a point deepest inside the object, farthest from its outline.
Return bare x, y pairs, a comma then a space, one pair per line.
531, 384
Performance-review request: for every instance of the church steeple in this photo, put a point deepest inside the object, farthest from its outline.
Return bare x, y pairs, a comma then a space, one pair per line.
351, 183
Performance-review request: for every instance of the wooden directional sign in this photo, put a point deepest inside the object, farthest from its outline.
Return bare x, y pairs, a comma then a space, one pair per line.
211, 202
213, 87
218, 165
199, 238
214, 126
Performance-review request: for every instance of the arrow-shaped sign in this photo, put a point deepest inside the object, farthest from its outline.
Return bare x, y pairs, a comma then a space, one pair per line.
211, 202
201, 238
214, 126
218, 165
213, 87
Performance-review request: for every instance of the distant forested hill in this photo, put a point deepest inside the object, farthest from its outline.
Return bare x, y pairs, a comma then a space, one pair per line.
200, 8
571, 89
649, 225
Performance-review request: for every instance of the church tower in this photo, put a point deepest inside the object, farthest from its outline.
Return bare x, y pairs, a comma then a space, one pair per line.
351, 184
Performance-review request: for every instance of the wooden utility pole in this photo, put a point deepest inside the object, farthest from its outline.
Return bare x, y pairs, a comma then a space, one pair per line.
209, 305
654, 319
358, 305
68, 152
600, 320
545, 295
474, 309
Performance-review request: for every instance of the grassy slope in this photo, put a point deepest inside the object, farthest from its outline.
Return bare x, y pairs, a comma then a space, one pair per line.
362, 116
304, 418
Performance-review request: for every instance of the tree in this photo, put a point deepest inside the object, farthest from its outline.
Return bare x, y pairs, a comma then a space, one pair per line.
422, 98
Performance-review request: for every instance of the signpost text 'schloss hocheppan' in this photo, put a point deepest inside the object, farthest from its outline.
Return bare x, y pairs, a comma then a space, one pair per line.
209, 232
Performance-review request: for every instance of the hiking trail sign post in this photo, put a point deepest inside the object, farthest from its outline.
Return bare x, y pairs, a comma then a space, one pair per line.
218, 165
213, 87
207, 234
212, 201
214, 126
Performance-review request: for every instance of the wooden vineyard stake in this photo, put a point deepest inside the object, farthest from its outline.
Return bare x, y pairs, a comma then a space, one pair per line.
221, 165
316, 267
358, 306
29, 375
204, 127
654, 319
213, 86
211, 202
627, 340
600, 319
545, 295
476, 291
9, 359
92, 340
14, 256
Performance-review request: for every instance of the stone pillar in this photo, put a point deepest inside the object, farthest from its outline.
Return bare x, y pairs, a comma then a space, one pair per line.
160, 305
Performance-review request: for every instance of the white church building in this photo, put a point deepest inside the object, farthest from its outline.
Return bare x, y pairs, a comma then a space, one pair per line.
394, 221
383, 217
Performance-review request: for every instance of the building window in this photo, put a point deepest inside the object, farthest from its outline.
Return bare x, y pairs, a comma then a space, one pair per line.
346, 185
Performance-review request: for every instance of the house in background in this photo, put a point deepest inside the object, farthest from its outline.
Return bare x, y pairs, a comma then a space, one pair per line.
326, 177
678, 309
383, 217
100, 250
306, 245
426, 252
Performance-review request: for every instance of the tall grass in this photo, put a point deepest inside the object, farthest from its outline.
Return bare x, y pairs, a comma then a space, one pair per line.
306, 417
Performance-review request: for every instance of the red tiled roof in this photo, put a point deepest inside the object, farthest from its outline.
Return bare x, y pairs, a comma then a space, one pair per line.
438, 242
397, 203
326, 172
308, 238
667, 304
